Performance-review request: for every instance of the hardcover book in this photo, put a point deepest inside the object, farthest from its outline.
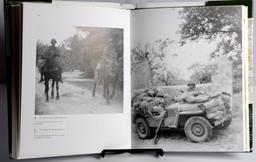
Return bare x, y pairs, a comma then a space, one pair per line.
85, 77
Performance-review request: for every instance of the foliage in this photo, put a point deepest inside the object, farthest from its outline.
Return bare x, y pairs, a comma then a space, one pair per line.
221, 24
155, 54
84, 49
202, 73
237, 78
214, 23
40, 49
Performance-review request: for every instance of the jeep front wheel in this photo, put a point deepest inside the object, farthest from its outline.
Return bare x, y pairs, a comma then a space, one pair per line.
142, 128
198, 129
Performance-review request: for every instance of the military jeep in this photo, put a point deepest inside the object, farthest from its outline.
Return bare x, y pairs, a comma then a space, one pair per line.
197, 119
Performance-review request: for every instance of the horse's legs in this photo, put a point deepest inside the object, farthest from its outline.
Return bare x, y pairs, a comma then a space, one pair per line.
107, 92
94, 88
46, 83
113, 88
41, 77
57, 89
104, 89
53, 81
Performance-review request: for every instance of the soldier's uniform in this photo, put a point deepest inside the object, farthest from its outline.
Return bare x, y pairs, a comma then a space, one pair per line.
193, 91
110, 60
52, 52
51, 56
189, 95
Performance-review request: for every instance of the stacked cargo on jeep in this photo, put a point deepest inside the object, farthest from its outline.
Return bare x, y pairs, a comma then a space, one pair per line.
154, 110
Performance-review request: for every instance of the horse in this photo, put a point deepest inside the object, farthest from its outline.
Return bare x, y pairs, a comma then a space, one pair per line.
52, 72
106, 73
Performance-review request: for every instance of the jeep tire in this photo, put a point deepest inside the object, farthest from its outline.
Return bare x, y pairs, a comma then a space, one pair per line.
142, 128
198, 129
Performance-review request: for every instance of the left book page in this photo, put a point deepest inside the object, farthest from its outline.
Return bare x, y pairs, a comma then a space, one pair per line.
73, 80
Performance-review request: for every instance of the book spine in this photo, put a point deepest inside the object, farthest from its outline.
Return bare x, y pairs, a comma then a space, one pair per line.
13, 27
7, 52
7, 30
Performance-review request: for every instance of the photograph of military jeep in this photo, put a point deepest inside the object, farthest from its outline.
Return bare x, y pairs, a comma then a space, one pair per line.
196, 113
187, 80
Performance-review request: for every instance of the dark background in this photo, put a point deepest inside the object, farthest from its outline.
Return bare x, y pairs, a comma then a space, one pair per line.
170, 157
2, 53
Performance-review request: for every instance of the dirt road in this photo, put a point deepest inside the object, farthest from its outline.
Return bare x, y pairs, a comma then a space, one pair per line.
75, 98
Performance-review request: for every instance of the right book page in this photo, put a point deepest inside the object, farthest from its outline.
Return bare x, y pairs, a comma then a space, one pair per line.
188, 79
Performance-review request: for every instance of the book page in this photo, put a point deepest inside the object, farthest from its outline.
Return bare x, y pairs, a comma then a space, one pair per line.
250, 78
75, 70
188, 79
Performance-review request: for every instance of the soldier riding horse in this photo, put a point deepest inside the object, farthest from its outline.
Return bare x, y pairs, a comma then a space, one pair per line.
51, 70
107, 72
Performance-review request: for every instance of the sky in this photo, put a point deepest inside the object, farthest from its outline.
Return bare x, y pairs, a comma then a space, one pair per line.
150, 25
46, 32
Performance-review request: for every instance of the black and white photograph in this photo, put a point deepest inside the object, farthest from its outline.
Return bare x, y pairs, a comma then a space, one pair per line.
187, 84
79, 70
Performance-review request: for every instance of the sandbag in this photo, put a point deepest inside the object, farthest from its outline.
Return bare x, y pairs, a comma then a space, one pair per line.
151, 92
136, 103
143, 104
210, 104
218, 109
148, 99
150, 106
160, 94
140, 96
226, 98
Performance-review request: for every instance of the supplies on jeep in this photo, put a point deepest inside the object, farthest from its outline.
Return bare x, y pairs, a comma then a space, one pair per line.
152, 100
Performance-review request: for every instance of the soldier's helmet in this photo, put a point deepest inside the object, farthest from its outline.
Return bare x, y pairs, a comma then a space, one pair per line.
191, 83
53, 41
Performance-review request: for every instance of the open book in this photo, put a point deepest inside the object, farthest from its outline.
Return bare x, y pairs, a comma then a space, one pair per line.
87, 77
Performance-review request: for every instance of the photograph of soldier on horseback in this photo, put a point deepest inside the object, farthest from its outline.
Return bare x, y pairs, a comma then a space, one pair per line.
108, 71
82, 67
50, 68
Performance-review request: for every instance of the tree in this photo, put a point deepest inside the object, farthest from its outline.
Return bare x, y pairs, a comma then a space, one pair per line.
40, 49
65, 55
202, 73
212, 23
86, 50
155, 54
216, 23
